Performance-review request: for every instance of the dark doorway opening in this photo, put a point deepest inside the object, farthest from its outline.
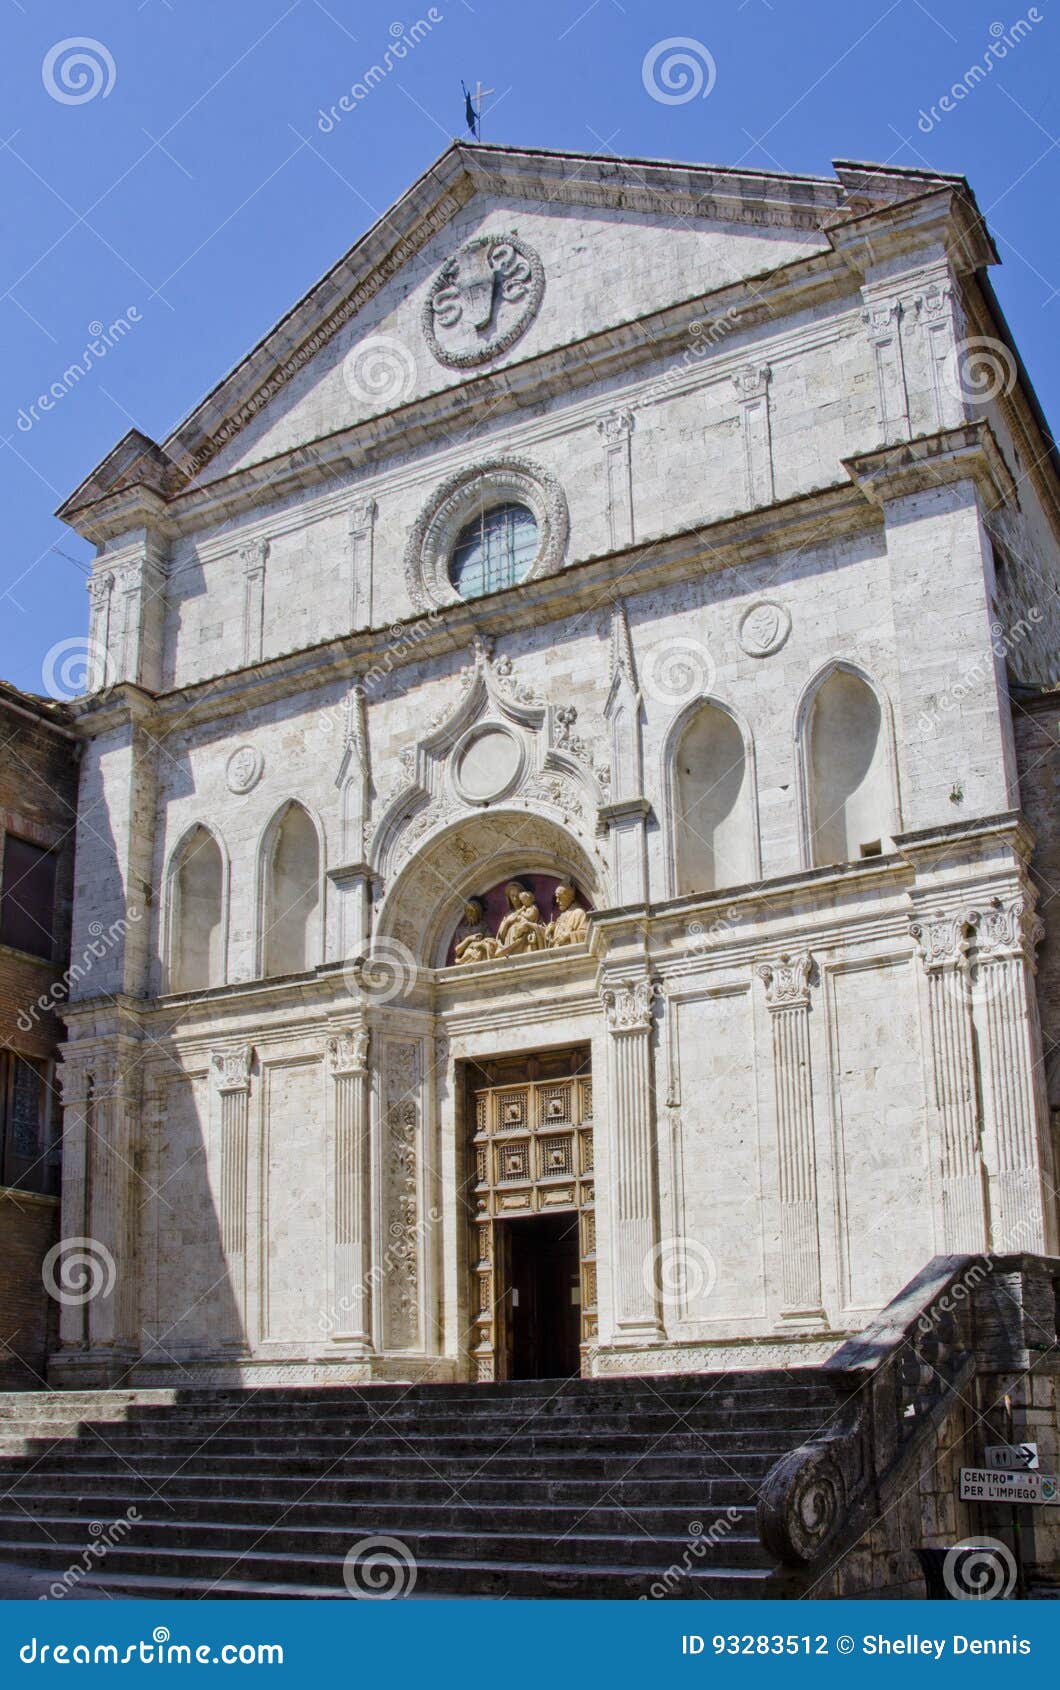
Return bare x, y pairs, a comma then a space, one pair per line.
544, 1296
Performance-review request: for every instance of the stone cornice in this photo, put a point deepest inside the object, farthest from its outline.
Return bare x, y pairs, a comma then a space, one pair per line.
967, 453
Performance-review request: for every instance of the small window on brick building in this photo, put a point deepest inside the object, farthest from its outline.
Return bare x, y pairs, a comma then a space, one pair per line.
26, 1153
27, 897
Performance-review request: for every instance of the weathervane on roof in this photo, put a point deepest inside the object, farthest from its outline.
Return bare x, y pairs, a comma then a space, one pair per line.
473, 107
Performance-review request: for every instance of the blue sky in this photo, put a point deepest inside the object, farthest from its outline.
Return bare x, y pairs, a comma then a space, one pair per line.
196, 196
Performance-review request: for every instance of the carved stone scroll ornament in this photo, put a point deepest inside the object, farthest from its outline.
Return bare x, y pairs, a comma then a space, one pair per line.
801, 1504
628, 1006
482, 300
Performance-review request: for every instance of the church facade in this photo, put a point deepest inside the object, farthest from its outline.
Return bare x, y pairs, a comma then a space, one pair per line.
551, 796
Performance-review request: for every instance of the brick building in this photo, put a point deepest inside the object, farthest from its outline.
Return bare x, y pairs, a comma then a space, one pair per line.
38, 798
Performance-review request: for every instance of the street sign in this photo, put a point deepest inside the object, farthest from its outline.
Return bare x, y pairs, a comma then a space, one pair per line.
1013, 1458
985, 1484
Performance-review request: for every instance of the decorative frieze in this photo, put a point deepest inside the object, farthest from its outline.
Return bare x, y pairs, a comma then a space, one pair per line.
400, 1162
787, 986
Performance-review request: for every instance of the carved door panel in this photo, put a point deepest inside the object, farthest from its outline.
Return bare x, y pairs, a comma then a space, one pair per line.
531, 1154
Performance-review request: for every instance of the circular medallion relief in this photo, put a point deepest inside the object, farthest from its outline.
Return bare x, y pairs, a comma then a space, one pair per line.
487, 764
243, 769
482, 299
763, 628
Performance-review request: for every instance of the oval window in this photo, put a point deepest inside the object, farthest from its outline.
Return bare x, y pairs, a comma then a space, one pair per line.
496, 549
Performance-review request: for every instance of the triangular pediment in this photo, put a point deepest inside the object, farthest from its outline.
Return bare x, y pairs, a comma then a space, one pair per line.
522, 252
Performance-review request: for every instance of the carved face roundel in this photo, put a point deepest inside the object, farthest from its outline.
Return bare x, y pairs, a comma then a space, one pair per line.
482, 299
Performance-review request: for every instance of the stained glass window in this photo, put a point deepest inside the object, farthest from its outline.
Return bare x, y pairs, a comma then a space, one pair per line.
496, 549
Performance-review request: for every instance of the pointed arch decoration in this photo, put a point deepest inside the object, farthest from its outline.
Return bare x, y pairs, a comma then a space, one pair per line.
195, 950
291, 892
710, 780
847, 767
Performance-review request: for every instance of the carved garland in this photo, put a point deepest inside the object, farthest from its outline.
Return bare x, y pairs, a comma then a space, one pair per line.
455, 502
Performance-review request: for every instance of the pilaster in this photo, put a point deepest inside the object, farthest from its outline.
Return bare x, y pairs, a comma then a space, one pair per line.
616, 430
634, 1207
253, 559
360, 532
787, 985
351, 1316
752, 390
943, 943
1022, 1213
233, 1075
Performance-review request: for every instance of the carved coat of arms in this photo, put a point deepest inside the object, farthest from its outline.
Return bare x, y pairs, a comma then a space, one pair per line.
482, 299
764, 628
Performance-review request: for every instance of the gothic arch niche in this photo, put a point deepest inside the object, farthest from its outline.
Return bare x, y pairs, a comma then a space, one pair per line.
710, 773
196, 901
291, 901
423, 907
847, 768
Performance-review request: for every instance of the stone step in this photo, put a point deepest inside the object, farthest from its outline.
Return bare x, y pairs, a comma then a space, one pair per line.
364, 1514
660, 1463
646, 1421
625, 1547
198, 1573
466, 1445
107, 1493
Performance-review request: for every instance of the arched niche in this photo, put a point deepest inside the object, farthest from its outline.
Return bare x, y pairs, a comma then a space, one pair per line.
423, 907
196, 926
849, 804
713, 803
291, 893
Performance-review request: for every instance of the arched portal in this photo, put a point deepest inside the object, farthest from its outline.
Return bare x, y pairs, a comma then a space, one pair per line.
423, 908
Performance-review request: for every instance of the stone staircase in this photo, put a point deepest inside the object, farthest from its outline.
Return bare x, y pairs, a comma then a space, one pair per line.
612, 1487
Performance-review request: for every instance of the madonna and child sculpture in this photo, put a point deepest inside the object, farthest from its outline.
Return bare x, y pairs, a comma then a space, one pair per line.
521, 930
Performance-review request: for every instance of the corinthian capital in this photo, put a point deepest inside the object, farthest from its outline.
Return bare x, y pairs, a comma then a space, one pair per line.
787, 981
628, 1005
942, 940
1006, 928
233, 1067
348, 1050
